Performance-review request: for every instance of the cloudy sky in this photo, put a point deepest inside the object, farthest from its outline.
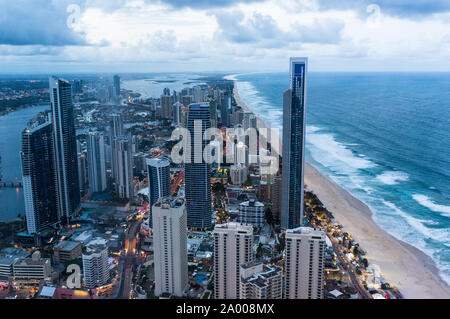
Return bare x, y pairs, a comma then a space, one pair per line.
43, 36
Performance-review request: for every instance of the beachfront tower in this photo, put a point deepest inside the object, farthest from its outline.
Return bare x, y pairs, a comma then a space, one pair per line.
65, 149
304, 263
38, 176
197, 171
294, 122
158, 170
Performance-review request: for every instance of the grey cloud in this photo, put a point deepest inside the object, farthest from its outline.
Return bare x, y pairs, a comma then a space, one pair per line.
400, 8
37, 22
263, 31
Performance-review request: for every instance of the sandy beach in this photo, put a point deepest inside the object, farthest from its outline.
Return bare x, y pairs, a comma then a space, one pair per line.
401, 264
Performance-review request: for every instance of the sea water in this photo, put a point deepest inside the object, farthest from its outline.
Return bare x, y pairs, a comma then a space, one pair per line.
384, 137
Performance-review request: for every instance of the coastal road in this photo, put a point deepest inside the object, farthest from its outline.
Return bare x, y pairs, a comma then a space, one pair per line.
349, 269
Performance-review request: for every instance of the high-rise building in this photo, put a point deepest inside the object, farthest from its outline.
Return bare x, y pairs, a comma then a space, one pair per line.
96, 162
95, 265
65, 149
233, 246
158, 170
225, 109
304, 263
39, 177
186, 100
197, 170
251, 213
115, 130
124, 168
170, 246
213, 112
259, 281
294, 145
82, 173
116, 80
177, 113
166, 106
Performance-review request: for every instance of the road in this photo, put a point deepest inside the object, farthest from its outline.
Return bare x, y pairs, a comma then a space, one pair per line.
129, 259
349, 269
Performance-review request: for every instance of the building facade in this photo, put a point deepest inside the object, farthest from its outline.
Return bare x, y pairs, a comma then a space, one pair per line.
170, 246
39, 177
124, 168
259, 281
95, 266
158, 170
65, 149
304, 263
233, 246
294, 122
197, 170
251, 213
96, 162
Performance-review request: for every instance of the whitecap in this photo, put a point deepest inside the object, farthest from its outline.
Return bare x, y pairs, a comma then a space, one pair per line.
392, 177
330, 153
428, 203
441, 235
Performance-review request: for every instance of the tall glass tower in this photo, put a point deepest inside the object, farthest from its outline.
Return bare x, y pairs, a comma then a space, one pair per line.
38, 176
65, 148
294, 121
158, 170
197, 172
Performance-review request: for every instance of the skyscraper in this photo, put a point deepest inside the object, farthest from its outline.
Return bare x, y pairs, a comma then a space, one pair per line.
116, 80
82, 173
158, 170
294, 145
197, 172
115, 130
124, 168
304, 263
233, 247
96, 162
166, 107
170, 246
65, 149
225, 109
38, 176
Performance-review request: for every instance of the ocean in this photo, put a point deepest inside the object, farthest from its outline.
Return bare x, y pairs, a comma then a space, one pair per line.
384, 137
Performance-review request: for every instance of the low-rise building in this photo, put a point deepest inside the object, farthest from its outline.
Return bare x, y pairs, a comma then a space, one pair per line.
32, 270
66, 251
8, 257
251, 213
259, 281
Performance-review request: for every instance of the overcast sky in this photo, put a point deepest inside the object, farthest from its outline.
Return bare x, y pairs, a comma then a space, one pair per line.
44, 36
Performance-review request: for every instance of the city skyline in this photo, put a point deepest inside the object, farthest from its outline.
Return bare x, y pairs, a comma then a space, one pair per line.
235, 149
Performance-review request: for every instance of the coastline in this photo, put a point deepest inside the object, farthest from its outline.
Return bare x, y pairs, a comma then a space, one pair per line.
401, 264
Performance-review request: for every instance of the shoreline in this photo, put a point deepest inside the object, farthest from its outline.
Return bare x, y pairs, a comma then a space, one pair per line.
401, 264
